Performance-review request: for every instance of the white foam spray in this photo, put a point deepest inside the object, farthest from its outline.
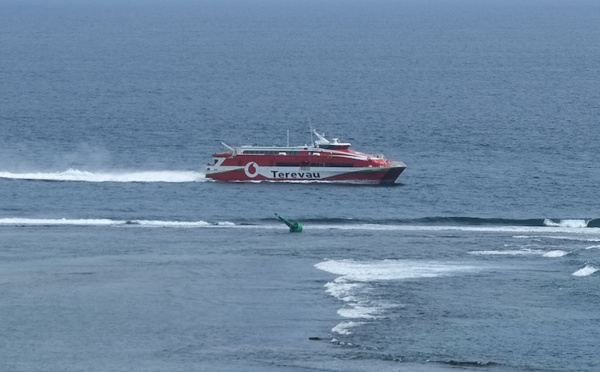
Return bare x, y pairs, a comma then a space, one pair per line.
113, 176
586, 271
108, 222
365, 271
344, 327
518, 231
586, 235
59, 222
555, 253
353, 287
509, 252
522, 252
566, 223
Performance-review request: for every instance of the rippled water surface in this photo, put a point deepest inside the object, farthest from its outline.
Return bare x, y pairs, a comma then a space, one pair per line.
118, 254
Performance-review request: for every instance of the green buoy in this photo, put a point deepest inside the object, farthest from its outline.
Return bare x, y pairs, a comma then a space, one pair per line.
294, 226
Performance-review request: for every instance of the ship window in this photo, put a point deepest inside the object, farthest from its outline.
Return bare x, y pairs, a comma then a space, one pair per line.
341, 165
269, 152
283, 164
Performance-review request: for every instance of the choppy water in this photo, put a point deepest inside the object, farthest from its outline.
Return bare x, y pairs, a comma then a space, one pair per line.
116, 253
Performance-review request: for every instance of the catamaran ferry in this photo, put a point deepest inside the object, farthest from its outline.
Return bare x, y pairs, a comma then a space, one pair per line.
324, 160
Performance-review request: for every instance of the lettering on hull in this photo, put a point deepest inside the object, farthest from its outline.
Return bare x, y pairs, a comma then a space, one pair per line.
296, 175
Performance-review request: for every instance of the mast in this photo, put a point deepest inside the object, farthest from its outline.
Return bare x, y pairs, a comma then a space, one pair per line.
310, 129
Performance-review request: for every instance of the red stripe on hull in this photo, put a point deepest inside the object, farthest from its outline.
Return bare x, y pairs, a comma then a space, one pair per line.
385, 176
379, 176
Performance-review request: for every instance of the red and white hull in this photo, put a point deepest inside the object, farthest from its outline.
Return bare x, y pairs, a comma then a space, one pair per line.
251, 171
325, 161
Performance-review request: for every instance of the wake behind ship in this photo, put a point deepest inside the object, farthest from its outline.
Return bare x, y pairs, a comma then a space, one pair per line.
324, 160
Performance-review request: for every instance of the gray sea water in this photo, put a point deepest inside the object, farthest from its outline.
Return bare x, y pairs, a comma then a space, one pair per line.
116, 253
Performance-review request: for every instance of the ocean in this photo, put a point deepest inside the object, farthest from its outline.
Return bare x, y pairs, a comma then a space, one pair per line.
118, 254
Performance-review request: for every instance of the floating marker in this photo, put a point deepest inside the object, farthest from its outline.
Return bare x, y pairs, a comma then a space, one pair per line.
294, 226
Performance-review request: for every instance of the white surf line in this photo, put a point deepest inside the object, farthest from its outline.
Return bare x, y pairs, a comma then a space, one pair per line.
19, 221
537, 230
521, 252
574, 223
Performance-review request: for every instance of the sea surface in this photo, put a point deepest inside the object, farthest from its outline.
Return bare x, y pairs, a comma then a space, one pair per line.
117, 254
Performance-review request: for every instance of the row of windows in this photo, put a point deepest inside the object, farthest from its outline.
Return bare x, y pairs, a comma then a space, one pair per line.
269, 152
306, 164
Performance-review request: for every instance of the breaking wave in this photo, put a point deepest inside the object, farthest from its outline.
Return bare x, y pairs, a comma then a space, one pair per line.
366, 271
344, 327
555, 253
353, 285
587, 270
116, 176
591, 236
108, 222
452, 223
567, 223
522, 252
531, 231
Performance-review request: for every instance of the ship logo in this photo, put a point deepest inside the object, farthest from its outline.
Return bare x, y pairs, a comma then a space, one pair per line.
251, 169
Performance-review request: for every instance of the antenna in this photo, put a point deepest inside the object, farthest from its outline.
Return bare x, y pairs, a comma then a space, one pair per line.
310, 129
288, 138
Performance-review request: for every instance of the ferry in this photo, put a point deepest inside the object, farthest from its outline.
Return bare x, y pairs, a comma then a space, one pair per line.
323, 160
